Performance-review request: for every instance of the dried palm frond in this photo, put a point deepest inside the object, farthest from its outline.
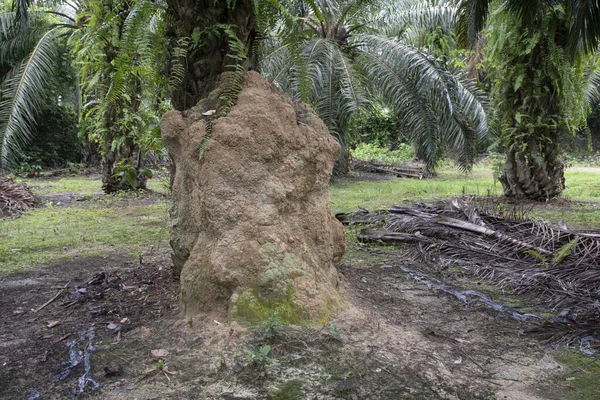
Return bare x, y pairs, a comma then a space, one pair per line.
15, 198
559, 267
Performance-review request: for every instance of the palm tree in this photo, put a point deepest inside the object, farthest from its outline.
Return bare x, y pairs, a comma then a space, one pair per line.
345, 53
118, 55
28, 54
538, 49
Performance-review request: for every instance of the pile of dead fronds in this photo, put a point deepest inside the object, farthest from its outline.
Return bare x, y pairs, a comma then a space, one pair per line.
398, 170
15, 198
556, 265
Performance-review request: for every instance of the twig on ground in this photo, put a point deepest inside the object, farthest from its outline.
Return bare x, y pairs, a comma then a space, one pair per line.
52, 299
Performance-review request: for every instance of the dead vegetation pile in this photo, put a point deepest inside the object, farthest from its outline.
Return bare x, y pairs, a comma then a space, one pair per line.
556, 267
394, 169
15, 198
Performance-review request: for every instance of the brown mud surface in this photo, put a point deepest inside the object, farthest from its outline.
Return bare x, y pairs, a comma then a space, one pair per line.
396, 339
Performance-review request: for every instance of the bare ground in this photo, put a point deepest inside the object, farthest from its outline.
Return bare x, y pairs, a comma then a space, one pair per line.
397, 339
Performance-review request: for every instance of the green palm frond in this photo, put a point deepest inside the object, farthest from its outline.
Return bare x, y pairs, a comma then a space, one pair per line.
468, 127
593, 87
411, 83
410, 18
584, 33
22, 97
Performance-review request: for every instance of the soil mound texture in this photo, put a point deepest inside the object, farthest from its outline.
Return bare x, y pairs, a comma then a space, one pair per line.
251, 229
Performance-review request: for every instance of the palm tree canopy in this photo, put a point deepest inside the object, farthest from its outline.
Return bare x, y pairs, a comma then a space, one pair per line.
345, 53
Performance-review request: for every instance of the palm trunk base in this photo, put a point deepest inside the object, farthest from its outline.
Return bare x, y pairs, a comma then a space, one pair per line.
526, 178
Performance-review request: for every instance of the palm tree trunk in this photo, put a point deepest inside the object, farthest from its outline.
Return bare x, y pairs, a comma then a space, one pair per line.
535, 173
204, 64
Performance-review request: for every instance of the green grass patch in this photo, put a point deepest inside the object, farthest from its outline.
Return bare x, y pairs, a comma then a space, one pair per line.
582, 375
583, 184
51, 234
75, 184
349, 196
290, 390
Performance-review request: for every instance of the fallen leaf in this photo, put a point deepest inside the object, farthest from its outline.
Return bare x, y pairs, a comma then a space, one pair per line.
52, 324
145, 333
158, 353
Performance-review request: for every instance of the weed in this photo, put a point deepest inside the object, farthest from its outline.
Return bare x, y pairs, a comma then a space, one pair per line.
272, 329
334, 332
260, 355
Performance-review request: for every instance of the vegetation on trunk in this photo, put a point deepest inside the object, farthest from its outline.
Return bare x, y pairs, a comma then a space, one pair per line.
538, 97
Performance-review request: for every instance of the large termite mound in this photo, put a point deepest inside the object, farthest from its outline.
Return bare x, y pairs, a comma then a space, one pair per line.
251, 229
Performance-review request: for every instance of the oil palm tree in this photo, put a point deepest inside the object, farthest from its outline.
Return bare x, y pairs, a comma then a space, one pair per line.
538, 50
119, 53
28, 55
116, 47
345, 53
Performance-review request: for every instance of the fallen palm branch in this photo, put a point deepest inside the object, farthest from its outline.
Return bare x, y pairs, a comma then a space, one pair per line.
557, 266
15, 198
401, 171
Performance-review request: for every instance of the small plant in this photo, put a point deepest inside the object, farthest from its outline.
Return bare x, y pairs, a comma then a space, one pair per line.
138, 256
498, 164
272, 328
126, 172
260, 355
28, 169
334, 332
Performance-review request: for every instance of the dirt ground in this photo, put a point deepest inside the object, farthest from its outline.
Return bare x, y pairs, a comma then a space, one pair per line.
118, 334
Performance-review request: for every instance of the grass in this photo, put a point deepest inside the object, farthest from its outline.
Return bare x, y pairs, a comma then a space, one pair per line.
350, 196
76, 184
51, 234
583, 185
128, 223
581, 377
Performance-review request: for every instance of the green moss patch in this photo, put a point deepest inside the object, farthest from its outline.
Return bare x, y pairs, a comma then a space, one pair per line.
290, 390
251, 309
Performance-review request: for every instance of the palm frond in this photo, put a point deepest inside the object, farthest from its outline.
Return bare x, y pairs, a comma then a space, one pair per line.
21, 97
584, 32
408, 18
592, 88
472, 17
